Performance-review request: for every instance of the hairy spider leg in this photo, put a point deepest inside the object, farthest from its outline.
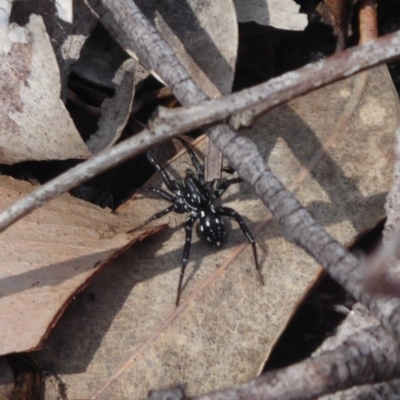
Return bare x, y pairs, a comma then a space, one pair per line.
162, 193
154, 217
222, 188
171, 184
186, 252
229, 212
193, 157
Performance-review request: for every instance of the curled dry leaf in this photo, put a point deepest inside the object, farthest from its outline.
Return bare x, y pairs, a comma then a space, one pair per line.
67, 38
35, 124
115, 111
67, 42
227, 323
204, 37
282, 14
46, 258
103, 63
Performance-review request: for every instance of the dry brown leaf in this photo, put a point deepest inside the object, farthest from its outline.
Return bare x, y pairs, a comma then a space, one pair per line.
282, 14
46, 258
67, 47
132, 339
35, 124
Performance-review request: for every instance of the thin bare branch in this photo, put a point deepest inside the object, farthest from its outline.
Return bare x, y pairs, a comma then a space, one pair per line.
378, 391
352, 358
242, 154
368, 21
172, 123
358, 361
79, 174
298, 225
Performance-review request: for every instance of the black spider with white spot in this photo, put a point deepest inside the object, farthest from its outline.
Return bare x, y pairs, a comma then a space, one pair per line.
196, 196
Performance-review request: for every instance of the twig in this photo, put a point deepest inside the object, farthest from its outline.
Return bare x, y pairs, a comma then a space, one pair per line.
368, 21
298, 225
274, 92
358, 361
81, 173
384, 390
354, 356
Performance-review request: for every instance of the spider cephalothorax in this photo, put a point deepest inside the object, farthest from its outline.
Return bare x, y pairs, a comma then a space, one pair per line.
196, 196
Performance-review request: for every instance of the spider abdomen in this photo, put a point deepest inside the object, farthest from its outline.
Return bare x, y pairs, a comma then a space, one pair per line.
212, 227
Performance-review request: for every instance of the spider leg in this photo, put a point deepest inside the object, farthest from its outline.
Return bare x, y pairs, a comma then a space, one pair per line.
154, 217
221, 189
162, 193
170, 183
229, 212
193, 157
186, 251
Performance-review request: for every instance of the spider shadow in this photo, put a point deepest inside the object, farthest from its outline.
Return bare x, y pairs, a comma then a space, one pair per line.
80, 332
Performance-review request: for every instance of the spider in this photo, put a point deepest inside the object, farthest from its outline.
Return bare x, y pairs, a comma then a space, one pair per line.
196, 196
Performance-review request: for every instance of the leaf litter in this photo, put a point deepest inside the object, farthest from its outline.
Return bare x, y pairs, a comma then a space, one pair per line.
46, 258
36, 125
123, 335
227, 323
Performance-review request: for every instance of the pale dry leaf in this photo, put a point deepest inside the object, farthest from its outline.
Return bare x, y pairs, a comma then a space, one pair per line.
115, 111
67, 39
35, 123
203, 35
64, 10
87, 50
103, 63
223, 334
354, 120
228, 324
9, 33
46, 258
282, 14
